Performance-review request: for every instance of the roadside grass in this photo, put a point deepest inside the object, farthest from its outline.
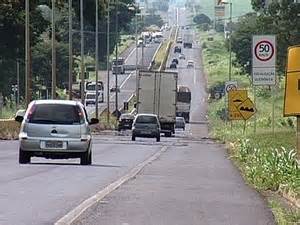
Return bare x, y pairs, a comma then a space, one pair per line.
266, 160
283, 215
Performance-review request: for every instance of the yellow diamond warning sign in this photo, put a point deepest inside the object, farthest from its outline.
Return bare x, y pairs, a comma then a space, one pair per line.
235, 98
246, 109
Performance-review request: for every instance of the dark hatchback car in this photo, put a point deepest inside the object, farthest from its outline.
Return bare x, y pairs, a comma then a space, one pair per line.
175, 61
125, 121
177, 49
173, 65
146, 125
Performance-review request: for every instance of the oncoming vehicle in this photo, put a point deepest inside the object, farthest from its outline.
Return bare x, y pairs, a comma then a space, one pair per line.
118, 66
190, 64
146, 125
179, 40
125, 121
90, 98
141, 43
55, 129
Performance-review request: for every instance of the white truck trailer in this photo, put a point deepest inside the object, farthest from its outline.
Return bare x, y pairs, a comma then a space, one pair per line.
156, 94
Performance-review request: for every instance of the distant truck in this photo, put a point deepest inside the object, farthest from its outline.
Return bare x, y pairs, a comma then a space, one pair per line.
156, 94
188, 40
183, 104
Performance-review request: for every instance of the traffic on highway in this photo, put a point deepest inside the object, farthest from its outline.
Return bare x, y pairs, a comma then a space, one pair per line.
139, 113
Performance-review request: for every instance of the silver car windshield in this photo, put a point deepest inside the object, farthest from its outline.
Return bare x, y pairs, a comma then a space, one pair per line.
56, 114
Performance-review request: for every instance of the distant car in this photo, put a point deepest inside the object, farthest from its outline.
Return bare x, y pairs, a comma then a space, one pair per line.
190, 64
181, 56
140, 43
125, 121
175, 61
177, 49
55, 129
180, 123
114, 89
173, 65
90, 98
146, 125
179, 40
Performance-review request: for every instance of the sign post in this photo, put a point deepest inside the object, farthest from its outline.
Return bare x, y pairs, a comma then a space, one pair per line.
264, 67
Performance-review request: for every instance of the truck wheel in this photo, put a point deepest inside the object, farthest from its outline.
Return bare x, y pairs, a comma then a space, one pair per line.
133, 138
24, 157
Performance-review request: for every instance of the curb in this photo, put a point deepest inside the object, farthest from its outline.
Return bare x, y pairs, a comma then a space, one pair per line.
71, 216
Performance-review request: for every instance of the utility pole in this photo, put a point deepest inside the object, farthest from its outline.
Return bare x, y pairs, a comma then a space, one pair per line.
82, 52
53, 92
117, 56
107, 59
136, 51
18, 83
230, 39
27, 55
97, 58
70, 50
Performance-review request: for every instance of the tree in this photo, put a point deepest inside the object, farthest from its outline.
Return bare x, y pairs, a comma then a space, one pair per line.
12, 29
201, 19
280, 19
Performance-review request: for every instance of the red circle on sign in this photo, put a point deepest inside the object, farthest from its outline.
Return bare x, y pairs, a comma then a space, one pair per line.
272, 48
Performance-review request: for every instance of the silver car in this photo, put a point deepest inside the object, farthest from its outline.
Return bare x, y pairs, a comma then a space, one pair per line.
55, 129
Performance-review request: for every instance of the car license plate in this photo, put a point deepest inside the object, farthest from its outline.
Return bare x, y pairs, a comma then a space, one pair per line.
145, 132
54, 144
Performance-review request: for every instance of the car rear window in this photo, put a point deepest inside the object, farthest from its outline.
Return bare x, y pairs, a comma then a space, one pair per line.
146, 119
56, 114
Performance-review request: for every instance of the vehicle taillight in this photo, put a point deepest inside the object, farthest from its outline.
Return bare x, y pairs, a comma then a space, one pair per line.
31, 111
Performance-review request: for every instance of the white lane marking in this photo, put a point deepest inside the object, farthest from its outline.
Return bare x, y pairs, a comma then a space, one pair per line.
127, 79
71, 216
123, 83
133, 50
195, 78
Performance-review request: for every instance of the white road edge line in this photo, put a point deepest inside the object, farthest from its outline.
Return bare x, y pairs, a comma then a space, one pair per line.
122, 84
133, 50
71, 216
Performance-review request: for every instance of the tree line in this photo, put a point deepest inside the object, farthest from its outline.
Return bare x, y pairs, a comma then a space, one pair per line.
12, 37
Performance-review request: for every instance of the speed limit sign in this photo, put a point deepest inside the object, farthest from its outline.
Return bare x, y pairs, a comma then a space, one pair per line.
263, 59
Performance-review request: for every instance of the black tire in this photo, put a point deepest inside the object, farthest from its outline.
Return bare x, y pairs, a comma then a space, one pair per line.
24, 157
158, 138
133, 138
86, 158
